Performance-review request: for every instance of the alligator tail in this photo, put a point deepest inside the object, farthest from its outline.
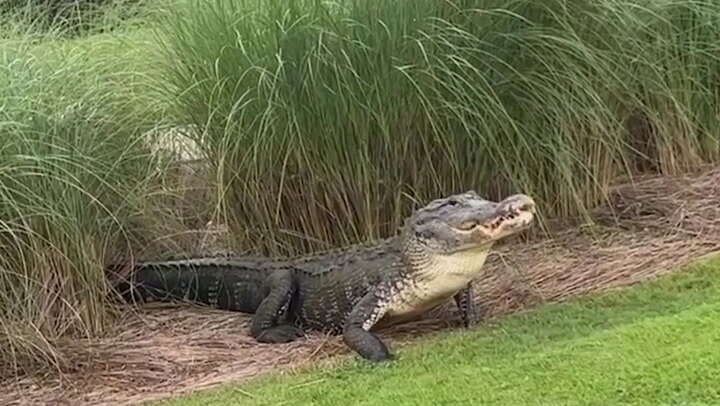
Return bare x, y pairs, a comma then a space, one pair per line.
223, 284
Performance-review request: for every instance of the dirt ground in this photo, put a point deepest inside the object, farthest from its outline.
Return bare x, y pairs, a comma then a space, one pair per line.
647, 229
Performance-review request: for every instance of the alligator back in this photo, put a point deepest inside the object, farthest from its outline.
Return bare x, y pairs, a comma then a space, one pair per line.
329, 286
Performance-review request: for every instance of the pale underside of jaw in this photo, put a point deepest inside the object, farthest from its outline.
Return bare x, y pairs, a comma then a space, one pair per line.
473, 249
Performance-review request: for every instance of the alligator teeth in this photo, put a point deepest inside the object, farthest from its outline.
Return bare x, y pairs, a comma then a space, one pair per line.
504, 217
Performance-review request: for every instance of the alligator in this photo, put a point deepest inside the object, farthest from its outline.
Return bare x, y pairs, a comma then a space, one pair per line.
353, 290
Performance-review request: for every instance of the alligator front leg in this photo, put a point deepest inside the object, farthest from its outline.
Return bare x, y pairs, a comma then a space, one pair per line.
368, 311
466, 304
265, 326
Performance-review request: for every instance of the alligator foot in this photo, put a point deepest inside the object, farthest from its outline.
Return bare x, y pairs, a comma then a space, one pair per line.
367, 344
466, 304
283, 333
365, 314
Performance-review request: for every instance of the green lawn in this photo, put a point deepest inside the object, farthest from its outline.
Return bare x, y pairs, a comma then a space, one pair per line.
655, 344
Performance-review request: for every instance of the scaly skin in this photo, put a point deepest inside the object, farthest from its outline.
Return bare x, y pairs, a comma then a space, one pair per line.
352, 290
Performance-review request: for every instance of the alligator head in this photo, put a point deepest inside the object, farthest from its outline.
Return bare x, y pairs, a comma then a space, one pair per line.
466, 221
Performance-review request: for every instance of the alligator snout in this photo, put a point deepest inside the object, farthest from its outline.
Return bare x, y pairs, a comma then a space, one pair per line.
514, 205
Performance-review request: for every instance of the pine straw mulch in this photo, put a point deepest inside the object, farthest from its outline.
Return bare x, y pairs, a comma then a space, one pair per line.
646, 229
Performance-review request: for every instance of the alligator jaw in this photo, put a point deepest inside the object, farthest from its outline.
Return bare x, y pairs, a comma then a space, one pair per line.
512, 215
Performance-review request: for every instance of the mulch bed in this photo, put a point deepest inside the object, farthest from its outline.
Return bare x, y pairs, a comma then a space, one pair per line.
648, 228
